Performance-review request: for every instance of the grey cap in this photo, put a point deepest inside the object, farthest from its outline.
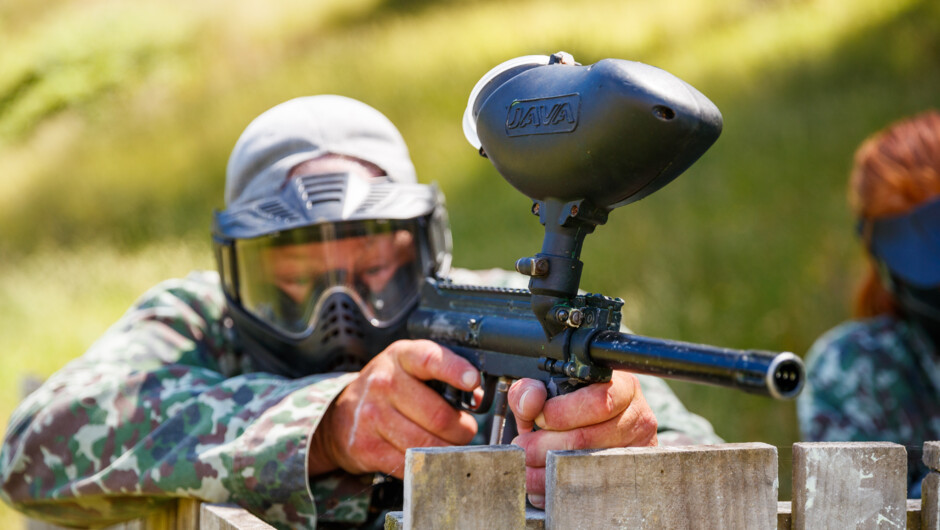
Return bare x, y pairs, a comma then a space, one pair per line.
305, 128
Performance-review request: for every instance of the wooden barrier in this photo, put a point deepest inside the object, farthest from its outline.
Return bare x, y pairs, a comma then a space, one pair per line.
457, 480
187, 514
835, 485
846, 485
928, 488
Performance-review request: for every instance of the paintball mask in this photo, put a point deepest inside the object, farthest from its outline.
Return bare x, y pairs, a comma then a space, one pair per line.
907, 249
320, 270
322, 277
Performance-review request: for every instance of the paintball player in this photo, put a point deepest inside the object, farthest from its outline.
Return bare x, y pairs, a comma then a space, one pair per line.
284, 382
877, 378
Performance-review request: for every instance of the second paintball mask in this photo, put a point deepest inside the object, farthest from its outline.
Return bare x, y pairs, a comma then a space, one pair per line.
320, 271
907, 249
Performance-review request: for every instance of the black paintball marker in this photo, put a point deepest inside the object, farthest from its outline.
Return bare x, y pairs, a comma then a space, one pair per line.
580, 141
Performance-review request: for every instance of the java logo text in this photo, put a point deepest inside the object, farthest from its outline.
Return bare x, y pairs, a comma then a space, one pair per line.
543, 115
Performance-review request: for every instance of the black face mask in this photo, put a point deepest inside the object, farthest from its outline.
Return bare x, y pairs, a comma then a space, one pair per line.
343, 340
918, 304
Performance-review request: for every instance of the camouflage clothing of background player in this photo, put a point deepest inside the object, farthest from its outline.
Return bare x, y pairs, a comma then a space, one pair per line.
164, 406
874, 380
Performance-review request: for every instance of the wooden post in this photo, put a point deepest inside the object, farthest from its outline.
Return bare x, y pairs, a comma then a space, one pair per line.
849, 485
534, 519
229, 517
187, 514
784, 516
465, 487
914, 515
930, 500
709, 486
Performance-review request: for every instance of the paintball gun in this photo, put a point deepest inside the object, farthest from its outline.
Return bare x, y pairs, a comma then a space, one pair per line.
580, 141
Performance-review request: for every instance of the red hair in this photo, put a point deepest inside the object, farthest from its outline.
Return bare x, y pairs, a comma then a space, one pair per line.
895, 170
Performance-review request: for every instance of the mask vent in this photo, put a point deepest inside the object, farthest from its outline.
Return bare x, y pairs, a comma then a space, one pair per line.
277, 210
320, 189
376, 196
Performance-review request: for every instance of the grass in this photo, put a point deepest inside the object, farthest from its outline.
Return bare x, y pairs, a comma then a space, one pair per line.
116, 120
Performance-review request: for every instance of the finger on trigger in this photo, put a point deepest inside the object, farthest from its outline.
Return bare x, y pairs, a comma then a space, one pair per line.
427, 360
424, 407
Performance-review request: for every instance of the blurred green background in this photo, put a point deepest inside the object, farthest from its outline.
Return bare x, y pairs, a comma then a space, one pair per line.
116, 120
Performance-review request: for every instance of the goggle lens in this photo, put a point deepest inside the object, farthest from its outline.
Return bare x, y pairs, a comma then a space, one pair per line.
284, 278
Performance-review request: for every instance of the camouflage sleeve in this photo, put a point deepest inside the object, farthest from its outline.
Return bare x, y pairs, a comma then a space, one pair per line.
676, 425
149, 413
840, 401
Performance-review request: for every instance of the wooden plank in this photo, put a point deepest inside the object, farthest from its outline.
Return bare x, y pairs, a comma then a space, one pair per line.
932, 455
930, 501
229, 517
163, 519
465, 487
534, 519
849, 485
187, 514
36, 524
914, 515
714, 486
784, 516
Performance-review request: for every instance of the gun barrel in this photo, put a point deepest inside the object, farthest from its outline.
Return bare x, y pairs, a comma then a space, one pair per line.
779, 375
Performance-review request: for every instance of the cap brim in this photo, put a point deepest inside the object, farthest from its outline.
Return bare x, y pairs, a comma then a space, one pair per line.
910, 245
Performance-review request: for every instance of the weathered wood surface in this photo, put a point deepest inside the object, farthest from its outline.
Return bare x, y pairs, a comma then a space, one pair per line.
185, 514
915, 519
784, 516
836, 485
534, 520
465, 487
849, 485
930, 500
188, 514
711, 486
930, 486
229, 517
180, 515
932, 455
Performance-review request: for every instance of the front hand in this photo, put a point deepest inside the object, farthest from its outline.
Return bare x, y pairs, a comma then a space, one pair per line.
388, 408
599, 416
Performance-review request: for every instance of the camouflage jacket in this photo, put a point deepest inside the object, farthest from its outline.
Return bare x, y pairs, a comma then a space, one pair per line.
874, 380
163, 406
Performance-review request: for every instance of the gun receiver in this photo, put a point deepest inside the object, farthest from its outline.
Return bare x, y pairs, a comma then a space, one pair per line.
581, 141
495, 329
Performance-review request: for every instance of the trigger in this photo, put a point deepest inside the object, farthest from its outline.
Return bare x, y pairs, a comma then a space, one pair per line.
459, 399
